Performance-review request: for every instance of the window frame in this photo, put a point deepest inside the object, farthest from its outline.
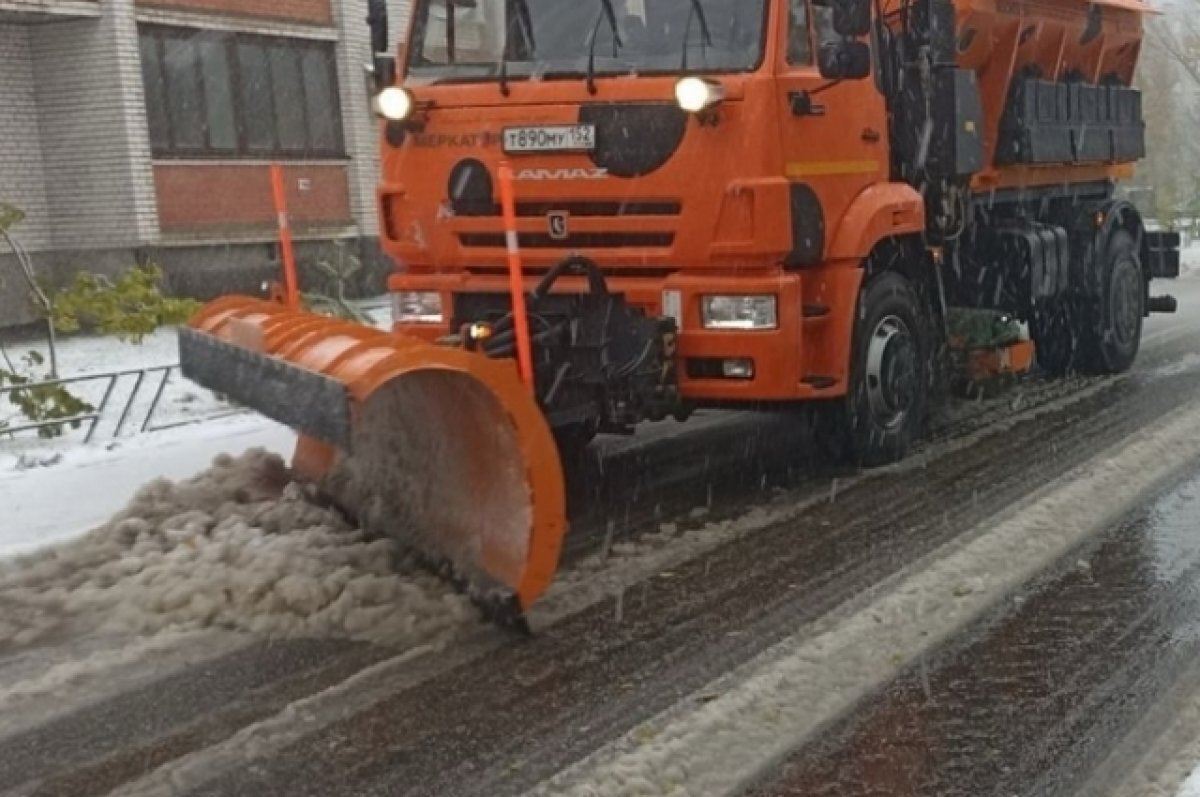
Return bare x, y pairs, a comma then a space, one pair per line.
813, 23
419, 13
297, 49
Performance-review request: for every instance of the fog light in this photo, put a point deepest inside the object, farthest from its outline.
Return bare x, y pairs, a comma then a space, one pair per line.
672, 307
394, 103
739, 312
738, 369
417, 307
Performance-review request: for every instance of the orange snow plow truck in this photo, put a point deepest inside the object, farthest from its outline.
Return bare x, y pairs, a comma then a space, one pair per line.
606, 212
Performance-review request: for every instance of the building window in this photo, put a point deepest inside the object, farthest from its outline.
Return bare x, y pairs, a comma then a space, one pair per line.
220, 94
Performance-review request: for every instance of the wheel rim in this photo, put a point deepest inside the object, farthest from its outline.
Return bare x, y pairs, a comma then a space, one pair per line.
891, 374
1126, 301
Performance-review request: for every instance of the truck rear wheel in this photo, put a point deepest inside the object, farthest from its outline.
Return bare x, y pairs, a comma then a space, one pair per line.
883, 412
1112, 331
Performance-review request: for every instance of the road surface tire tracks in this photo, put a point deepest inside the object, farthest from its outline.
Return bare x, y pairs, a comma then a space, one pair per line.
500, 725
503, 723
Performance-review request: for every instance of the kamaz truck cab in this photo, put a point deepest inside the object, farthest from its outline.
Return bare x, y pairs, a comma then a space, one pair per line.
767, 190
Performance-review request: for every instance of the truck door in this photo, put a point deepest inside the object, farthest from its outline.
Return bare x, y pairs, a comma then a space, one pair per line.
834, 135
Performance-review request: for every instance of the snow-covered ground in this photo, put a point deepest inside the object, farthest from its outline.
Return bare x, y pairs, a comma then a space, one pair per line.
91, 360
84, 356
192, 528
54, 490
85, 485
1190, 260
238, 546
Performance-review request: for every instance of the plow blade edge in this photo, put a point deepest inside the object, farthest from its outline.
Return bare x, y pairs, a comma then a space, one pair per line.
444, 450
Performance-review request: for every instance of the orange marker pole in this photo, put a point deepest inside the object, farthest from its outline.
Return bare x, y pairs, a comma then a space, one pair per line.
516, 282
292, 291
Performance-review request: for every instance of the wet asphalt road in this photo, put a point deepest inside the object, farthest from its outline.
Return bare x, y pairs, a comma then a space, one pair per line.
1032, 696
1026, 702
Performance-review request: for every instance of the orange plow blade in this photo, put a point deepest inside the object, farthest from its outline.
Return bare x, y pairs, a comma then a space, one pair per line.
442, 449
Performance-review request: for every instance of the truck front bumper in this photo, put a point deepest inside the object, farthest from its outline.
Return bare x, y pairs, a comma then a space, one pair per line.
805, 356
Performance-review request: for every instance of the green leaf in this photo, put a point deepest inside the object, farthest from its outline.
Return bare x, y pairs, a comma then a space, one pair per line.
131, 307
41, 402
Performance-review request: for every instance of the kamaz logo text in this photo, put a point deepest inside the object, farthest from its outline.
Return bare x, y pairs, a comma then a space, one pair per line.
562, 174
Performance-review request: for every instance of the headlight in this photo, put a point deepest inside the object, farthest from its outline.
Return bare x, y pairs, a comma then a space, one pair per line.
394, 103
739, 312
417, 307
696, 94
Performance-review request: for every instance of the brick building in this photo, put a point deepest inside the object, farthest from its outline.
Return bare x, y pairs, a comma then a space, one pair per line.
141, 130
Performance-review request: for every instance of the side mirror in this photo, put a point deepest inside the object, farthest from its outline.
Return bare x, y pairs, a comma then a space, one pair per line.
383, 71
383, 65
851, 17
377, 21
844, 60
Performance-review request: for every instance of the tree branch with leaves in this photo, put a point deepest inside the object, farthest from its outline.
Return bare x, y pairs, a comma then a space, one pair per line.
129, 307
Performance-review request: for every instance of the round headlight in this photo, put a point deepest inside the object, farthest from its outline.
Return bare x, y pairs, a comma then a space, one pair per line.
394, 103
695, 94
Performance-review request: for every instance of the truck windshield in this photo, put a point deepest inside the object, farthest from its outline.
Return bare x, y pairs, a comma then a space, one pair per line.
481, 39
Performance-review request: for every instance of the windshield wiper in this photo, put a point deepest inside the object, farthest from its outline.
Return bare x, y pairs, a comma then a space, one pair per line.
606, 12
705, 34
525, 21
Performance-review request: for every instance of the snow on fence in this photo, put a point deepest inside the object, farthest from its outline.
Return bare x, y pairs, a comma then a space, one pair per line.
130, 390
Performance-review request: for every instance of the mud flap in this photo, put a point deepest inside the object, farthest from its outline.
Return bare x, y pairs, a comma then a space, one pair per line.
1162, 254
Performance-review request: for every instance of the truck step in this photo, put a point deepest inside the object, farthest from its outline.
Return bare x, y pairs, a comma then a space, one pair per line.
1163, 304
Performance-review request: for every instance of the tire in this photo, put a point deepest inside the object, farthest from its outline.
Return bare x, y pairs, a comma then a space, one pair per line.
1112, 330
883, 412
1056, 330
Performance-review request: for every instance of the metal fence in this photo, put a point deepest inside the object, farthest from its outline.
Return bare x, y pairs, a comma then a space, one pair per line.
144, 419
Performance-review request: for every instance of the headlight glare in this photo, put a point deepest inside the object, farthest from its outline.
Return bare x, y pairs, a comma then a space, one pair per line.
739, 312
394, 103
697, 94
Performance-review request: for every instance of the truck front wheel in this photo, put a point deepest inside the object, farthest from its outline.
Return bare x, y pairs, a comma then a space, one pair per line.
1113, 332
883, 412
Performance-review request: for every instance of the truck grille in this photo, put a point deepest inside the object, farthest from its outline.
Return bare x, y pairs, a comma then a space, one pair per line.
589, 209
582, 240
579, 209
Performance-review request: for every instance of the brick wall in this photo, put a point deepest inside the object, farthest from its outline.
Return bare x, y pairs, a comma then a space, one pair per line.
22, 179
75, 154
92, 124
315, 12
48, 9
236, 198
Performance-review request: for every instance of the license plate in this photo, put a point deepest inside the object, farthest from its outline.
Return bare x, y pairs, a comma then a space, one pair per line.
550, 138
